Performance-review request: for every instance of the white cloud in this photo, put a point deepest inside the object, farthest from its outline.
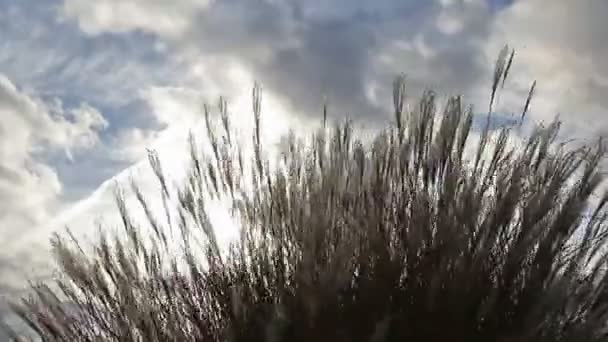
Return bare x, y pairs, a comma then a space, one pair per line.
29, 188
568, 60
29, 128
30, 125
169, 18
130, 145
452, 16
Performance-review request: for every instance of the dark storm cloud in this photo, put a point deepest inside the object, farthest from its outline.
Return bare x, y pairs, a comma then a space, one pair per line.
305, 55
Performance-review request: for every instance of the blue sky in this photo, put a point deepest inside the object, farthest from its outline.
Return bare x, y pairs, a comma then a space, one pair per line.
86, 86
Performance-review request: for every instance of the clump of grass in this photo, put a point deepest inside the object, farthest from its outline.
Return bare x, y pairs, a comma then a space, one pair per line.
402, 239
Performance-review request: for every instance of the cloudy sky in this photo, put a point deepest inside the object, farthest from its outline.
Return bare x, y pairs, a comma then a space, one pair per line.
86, 86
